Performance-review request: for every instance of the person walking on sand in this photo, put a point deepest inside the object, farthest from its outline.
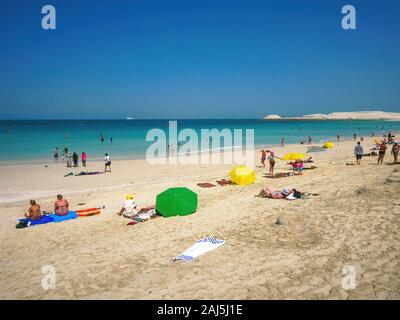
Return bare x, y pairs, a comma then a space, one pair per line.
56, 154
84, 157
282, 142
382, 150
61, 206
395, 151
75, 159
358, 151
263, 157
107, 163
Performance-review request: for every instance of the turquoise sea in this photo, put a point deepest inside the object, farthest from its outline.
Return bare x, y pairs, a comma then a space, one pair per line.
35, 140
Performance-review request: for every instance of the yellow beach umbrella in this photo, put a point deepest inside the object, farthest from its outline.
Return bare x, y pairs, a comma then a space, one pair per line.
242, 175
328, 144
293, 156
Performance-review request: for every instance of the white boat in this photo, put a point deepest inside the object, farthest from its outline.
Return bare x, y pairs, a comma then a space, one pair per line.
130, 118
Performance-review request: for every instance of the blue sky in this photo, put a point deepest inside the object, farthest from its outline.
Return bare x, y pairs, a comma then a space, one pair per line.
197, 59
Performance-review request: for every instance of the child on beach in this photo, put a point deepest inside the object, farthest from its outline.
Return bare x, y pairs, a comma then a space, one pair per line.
56, 154
263, 157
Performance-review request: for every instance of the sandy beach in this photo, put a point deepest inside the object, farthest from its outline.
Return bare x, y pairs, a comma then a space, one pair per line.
353, 221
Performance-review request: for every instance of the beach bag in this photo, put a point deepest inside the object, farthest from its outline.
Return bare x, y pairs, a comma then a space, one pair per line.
296, 194
22, 224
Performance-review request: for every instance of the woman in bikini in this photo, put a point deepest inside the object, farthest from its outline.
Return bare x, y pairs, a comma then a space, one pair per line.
268, 193
34, 212
61, 206
271, 159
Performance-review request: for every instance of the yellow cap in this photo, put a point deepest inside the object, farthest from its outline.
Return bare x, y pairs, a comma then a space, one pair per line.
129, 196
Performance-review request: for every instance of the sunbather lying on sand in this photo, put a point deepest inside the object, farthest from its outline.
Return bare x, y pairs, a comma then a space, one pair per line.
285, 193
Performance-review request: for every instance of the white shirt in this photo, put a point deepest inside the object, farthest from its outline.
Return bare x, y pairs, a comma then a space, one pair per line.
130, 206
107, 159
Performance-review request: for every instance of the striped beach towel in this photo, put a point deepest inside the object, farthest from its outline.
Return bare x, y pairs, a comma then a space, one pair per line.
202, 246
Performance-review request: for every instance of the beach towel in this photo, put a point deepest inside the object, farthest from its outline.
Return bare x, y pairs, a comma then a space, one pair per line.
224, 182
279, 175
69, 216
206, 185
43, 219
202, 246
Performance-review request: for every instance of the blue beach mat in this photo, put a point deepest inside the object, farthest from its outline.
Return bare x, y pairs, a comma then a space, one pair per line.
42, 220
69, 216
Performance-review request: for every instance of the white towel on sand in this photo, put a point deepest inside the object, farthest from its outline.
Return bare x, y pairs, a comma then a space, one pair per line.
202, 246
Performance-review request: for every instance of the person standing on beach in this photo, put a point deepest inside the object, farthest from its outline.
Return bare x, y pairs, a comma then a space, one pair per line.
107, 163
338, 137
382, 151
282, 142
75, 158
68, 157
263, 157
354, 136
309, 139
84, 157
271, 159
395, 151
56, 154
358, 151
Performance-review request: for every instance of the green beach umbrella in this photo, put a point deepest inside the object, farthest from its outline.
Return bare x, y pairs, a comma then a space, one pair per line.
176, 201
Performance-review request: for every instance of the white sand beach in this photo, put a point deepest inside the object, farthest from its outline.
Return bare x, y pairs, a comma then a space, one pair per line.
355, 220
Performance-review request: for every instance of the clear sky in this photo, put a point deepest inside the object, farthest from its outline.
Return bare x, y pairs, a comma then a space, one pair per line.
197, 59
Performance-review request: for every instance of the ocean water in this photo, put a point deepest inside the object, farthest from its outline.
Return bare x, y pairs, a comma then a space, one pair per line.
35, 140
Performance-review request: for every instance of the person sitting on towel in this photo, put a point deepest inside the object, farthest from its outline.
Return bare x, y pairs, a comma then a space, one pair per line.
61, 206
129, 209
34, 212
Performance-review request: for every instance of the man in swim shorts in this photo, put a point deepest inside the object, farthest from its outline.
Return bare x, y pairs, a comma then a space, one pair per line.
358, 151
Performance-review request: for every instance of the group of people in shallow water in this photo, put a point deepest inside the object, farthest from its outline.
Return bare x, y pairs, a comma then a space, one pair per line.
61, 208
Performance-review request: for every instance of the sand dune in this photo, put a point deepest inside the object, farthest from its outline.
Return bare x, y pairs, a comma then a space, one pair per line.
357, 115
354, 221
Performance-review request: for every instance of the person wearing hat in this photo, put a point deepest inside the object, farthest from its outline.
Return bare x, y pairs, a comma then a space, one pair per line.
129, 209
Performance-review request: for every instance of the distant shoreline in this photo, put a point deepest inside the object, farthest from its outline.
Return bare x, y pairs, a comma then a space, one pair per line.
355, 116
